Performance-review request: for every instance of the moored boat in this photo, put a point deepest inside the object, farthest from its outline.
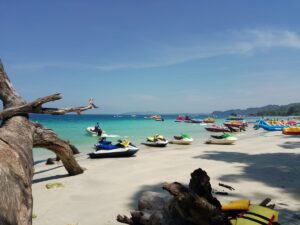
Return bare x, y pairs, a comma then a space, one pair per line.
215, 128
156, 141
180, 118
115, 153
209, 120
225, 139
105, 149
183, 139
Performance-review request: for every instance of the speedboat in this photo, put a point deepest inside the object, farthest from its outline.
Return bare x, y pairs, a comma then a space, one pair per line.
156, 141
225, 139
196, 121
180, 118
209, 120
105, 149
183, 139
215, 128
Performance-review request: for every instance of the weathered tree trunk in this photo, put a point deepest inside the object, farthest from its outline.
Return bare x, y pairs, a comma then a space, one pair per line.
18, 136
16, 171
46, 138
189, 206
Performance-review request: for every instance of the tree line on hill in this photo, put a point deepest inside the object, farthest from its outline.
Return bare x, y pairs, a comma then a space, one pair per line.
292, 109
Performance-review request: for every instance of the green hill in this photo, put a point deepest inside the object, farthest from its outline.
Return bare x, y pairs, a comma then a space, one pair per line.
292, 109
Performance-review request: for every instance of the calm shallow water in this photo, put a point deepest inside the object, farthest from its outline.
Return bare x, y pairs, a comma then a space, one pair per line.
136, 129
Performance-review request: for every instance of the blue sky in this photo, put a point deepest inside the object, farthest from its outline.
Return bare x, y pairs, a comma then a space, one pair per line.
165, 56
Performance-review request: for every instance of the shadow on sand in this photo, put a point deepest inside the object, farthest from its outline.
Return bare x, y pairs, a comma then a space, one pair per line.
279, 170
286, 216
35, 181
153, 188
46, 170
291, 145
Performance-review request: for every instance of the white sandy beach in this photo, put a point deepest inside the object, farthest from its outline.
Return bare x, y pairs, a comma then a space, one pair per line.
261, 164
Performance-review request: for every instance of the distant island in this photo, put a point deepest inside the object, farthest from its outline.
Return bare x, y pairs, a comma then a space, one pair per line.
292, 109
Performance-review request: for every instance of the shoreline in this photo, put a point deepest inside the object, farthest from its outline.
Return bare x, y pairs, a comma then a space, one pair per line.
261, 164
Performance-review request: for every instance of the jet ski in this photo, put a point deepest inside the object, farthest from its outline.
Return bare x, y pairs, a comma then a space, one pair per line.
225, 139
91, 131
156, 141
215, 128
105, 149
183, 139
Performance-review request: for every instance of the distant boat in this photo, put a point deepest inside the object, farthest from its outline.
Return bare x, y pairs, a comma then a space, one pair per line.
180, 118
215, 128
196, 121
153, 117
209, 120
133, 115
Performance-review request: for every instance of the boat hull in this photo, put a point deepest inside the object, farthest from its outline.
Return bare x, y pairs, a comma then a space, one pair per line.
211, 129
156, 144
220, 141
113, 153
182, 142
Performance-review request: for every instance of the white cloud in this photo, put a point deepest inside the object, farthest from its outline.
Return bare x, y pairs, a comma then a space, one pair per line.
232, 43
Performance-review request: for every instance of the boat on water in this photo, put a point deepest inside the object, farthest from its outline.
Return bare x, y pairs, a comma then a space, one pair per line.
180, 118
291, 131
234, 123
215, 128
153, 117
156, 141
225, 139
209, 120
196, 121
105, 149
91, 131
183, 139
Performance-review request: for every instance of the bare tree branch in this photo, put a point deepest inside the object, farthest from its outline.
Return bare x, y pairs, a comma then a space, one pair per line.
18, 135
47, 138
36, 107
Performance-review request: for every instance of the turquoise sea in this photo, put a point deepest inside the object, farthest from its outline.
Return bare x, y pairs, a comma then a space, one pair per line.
136, 129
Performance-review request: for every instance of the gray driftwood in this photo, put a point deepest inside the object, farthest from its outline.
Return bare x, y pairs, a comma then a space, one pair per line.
193, 205
18, 136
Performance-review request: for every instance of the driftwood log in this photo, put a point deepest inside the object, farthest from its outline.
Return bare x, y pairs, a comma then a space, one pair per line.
193, 205
18, 135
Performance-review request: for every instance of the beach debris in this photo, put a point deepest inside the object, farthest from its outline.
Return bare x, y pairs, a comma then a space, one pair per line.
54, 185
49, 161
221, 193
226, 186
194, 204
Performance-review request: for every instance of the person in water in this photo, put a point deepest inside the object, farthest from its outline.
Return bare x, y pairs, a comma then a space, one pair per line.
97, 129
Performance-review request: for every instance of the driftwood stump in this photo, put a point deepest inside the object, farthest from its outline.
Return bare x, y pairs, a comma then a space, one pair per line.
18, 136
193, 205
